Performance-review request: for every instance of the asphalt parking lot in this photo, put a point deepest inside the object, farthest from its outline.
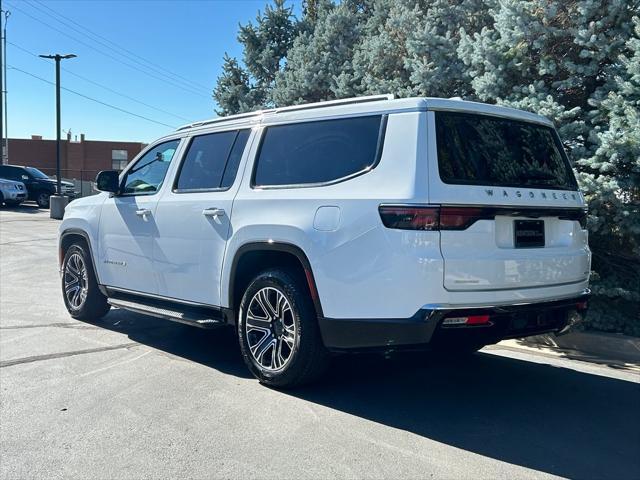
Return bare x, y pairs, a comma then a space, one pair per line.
132, 396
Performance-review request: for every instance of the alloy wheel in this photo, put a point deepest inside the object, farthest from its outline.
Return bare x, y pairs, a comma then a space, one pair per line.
270, 329
76, 281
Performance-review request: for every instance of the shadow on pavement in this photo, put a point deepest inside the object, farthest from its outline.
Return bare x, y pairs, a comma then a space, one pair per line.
547, 418
214, 348
22, 208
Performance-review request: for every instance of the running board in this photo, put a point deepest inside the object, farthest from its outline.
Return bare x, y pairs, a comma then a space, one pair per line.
195, 316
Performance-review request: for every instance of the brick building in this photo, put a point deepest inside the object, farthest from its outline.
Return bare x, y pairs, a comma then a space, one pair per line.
78, 158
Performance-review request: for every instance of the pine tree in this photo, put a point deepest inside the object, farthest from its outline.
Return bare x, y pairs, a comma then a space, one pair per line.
265, 45
318, 57
232, 92
610, 178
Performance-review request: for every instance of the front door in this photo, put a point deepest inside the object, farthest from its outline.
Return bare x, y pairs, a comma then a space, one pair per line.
193, 218
127, 223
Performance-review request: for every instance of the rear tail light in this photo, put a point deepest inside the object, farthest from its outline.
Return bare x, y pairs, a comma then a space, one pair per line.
431, 217
459, 218
581, 306
434, 217
410, 218
467, 320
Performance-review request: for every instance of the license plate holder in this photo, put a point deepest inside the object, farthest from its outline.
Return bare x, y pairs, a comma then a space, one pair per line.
528, 233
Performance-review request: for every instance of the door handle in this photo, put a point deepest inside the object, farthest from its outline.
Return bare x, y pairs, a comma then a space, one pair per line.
143, 212
213, 212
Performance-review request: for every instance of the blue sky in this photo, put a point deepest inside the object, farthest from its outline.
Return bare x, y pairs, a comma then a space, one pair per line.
185, 38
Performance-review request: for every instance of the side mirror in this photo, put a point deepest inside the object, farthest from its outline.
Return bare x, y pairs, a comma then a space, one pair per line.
108, 181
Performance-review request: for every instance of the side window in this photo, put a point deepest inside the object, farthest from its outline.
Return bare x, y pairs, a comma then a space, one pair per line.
212, 161
147, 175
10, 173
205, 160
318, 152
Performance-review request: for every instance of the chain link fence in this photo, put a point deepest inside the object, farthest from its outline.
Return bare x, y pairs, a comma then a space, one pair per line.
83, 180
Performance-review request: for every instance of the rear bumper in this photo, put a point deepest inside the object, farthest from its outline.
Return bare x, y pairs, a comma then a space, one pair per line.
426, 328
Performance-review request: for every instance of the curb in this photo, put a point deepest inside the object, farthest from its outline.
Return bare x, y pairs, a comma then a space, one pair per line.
606, 345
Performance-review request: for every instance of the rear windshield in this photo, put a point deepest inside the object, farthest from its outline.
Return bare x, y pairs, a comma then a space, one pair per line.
483, 150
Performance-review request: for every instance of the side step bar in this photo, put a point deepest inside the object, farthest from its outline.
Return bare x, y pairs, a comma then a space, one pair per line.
196, 316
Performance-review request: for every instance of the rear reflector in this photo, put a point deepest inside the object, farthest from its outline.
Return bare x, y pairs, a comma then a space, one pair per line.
582, 305
469, 320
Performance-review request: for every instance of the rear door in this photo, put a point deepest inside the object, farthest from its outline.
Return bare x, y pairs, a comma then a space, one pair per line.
511, 214
193, 218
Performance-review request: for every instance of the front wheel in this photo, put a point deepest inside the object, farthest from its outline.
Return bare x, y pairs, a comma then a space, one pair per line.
80, 291
42, 199
278, 331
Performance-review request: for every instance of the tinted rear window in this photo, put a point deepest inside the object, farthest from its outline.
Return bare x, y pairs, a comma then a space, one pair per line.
317, 152
483, 150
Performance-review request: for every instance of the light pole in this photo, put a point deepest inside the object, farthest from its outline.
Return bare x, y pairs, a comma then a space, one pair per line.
2, 153
57, 210
7, 14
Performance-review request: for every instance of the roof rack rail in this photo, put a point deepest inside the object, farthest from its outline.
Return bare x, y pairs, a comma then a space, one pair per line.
341, 101
293, 108
223, 119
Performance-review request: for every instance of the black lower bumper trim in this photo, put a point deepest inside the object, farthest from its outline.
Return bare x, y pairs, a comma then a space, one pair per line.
349, 334
425, 327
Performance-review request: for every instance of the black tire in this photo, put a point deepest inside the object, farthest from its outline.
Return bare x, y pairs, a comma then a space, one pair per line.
94, 305
1, 199
12, 204
42, 199
308, 358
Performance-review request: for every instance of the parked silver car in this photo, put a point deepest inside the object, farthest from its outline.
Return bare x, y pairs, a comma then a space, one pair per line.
12, 193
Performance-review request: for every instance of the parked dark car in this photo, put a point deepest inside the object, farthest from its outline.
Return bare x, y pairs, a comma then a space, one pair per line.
39, 186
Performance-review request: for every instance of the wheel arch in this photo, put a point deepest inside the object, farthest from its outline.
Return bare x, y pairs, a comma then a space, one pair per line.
70, 236
252, 257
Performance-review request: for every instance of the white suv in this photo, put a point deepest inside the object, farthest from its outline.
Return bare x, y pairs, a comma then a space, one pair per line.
367, 223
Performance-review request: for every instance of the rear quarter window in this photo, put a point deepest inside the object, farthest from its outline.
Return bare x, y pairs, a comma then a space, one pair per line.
318, 152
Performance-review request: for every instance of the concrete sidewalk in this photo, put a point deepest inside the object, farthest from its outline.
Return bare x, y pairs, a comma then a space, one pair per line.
615, 350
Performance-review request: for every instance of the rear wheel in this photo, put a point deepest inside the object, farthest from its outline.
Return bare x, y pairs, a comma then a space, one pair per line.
42, 199
278, 331
80, 291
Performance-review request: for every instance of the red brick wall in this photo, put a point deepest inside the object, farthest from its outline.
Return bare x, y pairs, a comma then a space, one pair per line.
90, 155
